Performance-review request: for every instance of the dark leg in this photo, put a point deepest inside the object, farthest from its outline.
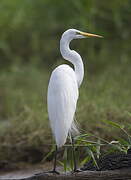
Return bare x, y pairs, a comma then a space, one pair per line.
54, 168
74, 158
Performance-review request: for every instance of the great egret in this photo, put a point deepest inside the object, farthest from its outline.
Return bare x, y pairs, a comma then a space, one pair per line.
63, 91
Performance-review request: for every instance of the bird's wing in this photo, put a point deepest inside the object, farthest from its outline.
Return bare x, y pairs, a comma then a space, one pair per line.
62, 100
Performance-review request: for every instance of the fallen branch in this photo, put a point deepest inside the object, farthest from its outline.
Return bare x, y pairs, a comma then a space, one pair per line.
122, 174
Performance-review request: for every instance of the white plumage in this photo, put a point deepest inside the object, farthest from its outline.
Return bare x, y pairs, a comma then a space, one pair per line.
62, 100
63, 88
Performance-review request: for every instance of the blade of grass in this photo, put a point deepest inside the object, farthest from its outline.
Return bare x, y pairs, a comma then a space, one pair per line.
65, 159
48, 154
93, 157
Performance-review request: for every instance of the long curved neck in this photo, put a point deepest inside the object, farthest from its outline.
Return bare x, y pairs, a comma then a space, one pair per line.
74, 58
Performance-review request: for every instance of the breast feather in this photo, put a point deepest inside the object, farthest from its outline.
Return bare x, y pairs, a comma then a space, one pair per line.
62, 101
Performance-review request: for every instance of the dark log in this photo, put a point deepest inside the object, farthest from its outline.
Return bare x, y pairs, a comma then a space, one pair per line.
110, 161
123, 174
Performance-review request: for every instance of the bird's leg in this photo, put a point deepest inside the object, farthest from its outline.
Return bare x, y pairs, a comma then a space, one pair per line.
73, 149
55, 157
74, 158
54, 168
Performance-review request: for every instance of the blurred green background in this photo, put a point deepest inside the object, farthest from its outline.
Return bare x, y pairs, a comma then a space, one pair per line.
30, 31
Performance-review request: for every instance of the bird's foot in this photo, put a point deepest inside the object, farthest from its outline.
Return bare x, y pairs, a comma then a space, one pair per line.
53, 172
76, 171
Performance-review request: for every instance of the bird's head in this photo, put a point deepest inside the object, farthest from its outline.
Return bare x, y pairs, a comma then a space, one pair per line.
71, 34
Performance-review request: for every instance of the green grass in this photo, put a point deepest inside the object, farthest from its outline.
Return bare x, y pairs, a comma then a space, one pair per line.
105, 96
23, 109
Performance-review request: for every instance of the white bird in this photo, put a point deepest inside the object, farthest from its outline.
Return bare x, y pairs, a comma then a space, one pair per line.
63, 90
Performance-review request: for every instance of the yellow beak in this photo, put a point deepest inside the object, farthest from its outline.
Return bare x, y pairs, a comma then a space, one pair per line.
90, 35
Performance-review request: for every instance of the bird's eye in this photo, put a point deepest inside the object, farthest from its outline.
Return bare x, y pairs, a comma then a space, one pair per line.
77, 33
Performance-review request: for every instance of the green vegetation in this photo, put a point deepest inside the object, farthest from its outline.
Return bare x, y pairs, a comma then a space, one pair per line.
29, 49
